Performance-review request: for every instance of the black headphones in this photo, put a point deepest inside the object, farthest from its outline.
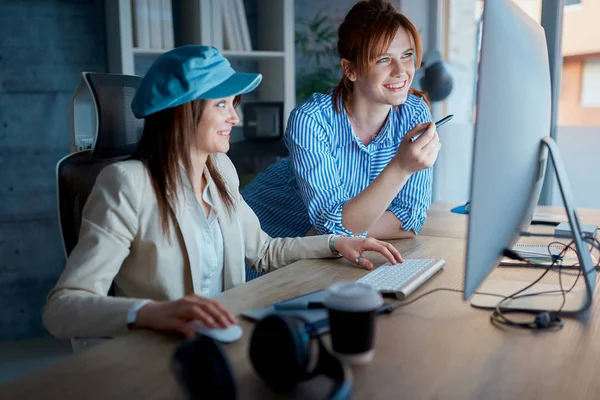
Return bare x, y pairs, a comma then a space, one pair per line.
281, 352
202, 370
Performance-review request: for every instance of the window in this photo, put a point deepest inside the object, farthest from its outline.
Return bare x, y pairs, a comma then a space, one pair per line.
590, 83
578, 130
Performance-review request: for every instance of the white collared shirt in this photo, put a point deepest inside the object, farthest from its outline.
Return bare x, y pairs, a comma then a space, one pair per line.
209, 241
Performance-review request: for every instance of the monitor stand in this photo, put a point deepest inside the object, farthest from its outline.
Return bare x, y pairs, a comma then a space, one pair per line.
577, 300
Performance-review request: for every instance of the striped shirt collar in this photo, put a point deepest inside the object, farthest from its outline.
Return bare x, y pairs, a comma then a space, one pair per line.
386, 134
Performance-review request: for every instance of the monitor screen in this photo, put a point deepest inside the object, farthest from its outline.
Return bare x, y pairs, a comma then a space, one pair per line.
513, 114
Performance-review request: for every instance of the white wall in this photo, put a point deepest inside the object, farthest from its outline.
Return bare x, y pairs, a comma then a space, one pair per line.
419, 13
590, 86
453, 167
580, 150
453, 170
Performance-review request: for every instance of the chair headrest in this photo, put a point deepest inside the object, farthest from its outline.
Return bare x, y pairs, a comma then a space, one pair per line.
102, 119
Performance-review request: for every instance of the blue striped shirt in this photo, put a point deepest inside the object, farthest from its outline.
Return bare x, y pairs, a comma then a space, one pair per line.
329, 165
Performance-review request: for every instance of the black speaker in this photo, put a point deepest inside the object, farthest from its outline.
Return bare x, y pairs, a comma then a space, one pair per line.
263, 120
436, 79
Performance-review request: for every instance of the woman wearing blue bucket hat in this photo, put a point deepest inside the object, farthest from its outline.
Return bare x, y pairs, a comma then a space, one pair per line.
169, 226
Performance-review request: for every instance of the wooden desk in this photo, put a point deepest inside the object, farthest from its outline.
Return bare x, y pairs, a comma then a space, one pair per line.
444, 223
436, 348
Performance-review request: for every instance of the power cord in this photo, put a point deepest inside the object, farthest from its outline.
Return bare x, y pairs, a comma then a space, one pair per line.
543, 320
591, 239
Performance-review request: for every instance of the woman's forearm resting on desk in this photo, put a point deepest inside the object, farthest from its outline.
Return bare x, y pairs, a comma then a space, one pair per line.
389, 227
363, 212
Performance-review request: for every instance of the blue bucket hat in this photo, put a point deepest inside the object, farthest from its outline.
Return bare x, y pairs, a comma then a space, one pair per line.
188, 73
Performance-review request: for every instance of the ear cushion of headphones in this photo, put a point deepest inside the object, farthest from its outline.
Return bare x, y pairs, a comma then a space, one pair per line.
340, 373
279, 351
203, 370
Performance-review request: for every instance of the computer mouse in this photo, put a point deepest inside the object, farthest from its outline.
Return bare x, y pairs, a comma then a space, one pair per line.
225, 335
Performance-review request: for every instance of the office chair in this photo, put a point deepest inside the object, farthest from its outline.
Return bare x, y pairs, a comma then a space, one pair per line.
103, 130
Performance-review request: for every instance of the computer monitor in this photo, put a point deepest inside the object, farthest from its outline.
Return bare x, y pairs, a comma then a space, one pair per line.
511, 146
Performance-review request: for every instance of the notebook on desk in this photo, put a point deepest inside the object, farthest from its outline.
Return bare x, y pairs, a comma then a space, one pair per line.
318, 317
564, 230
541, 256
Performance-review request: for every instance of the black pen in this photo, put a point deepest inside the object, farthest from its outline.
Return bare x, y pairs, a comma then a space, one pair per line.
385, 308
437, 125
298, 305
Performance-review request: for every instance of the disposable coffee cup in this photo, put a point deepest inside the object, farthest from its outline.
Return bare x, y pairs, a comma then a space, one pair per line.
352, 308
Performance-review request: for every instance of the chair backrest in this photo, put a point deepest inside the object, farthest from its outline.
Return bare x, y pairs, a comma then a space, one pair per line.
117, 133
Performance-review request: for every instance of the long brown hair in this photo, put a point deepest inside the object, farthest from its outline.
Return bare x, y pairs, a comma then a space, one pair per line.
165, 145
367, 31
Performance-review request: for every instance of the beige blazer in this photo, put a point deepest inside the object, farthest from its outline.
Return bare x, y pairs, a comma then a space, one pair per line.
121, 240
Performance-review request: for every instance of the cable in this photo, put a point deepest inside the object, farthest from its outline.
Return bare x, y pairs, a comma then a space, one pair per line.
419, 297
543, 319
546, 319
591, 239
407, 303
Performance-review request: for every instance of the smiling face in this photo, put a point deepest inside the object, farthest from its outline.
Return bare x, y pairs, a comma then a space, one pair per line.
389, 75
214, 127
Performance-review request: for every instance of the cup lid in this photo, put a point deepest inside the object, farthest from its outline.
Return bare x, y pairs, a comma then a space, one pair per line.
352, 296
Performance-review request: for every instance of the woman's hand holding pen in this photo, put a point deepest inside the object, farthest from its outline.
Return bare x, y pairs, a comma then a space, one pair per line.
173, 316
415, 156
352, 249
367, 210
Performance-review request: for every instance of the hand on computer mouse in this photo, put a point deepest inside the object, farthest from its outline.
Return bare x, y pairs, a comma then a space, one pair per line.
352, 249
227, 335
173, 316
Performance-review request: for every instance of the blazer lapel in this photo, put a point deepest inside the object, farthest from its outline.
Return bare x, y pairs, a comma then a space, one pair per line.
233, 246
186, 221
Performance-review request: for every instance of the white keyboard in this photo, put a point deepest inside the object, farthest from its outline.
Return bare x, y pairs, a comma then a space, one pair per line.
402, 279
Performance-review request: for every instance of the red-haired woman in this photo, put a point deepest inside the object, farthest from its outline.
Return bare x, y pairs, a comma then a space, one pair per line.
352, 168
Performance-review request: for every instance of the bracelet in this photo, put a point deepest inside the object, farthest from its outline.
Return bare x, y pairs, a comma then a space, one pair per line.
332, 248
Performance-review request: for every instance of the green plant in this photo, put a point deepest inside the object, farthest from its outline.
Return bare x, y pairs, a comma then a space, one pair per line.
318, 66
